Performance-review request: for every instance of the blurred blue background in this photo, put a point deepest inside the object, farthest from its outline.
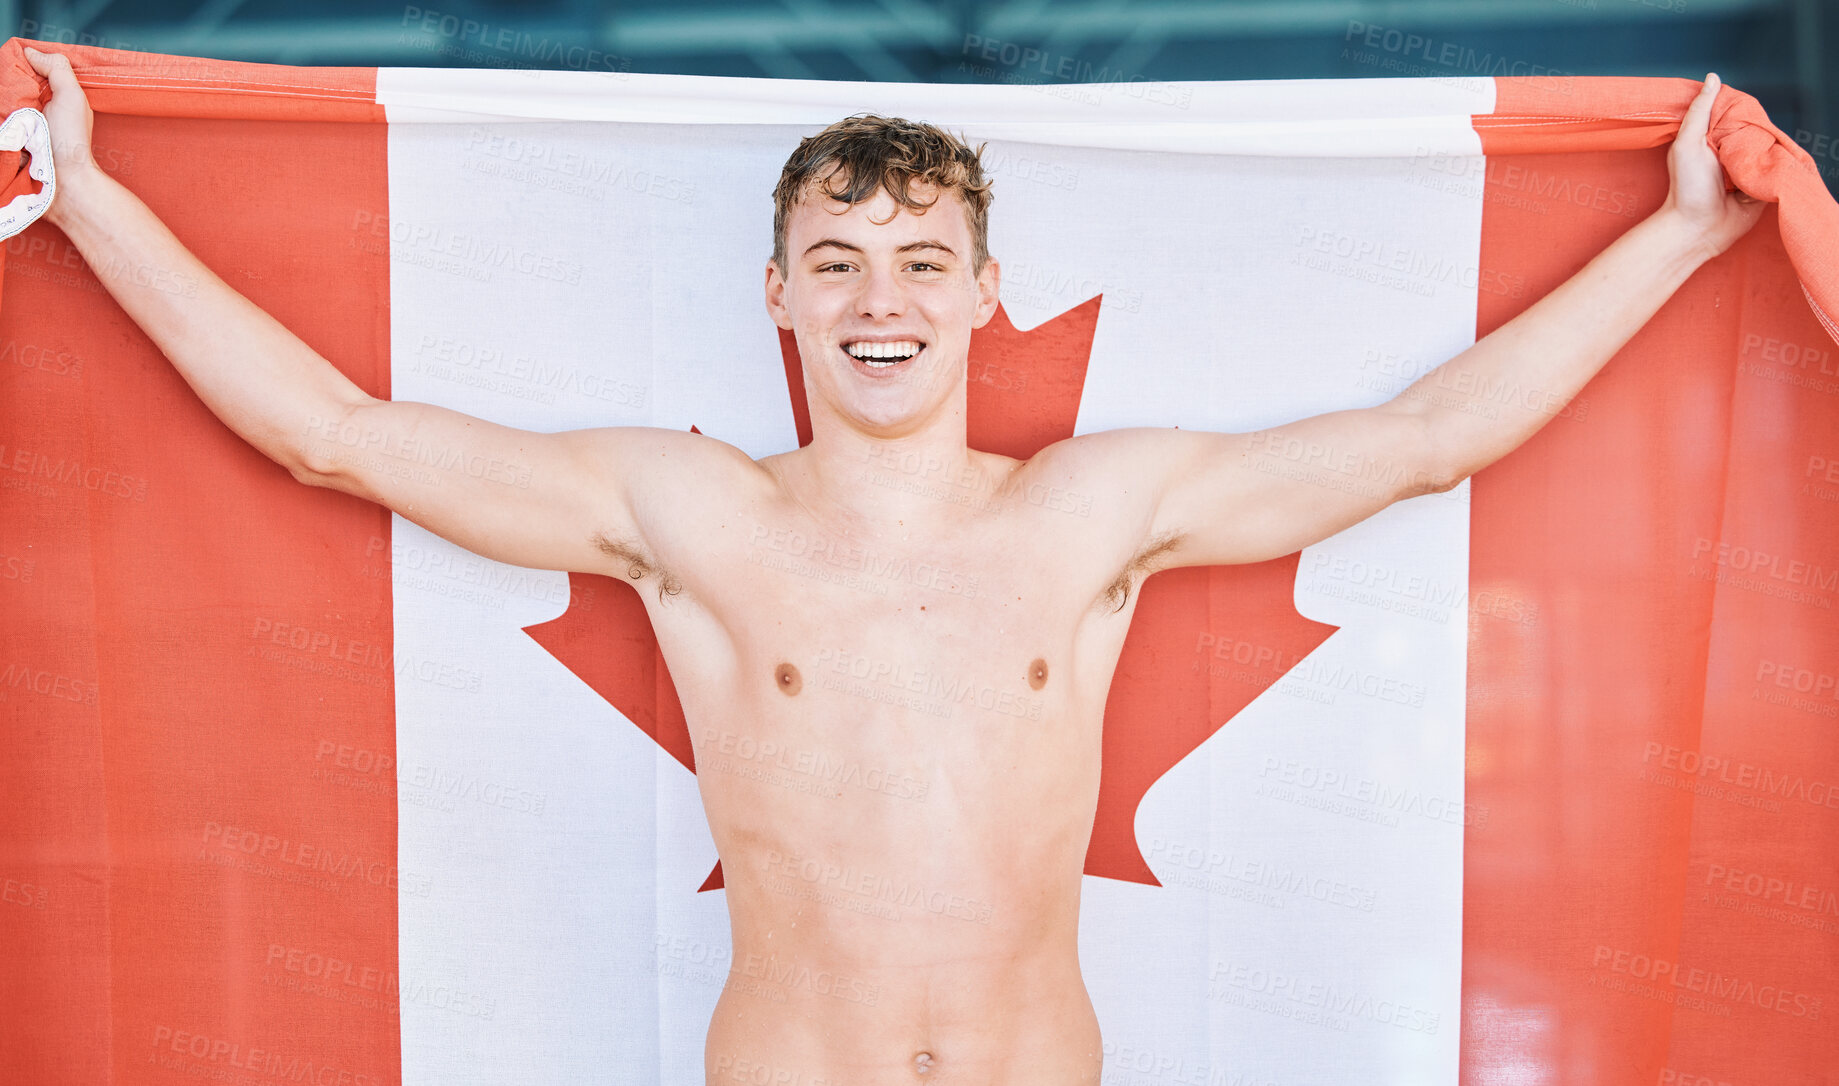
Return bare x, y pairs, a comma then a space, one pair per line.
1785, 52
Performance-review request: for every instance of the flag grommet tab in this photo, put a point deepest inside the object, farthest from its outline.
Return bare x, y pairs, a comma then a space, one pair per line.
27, 129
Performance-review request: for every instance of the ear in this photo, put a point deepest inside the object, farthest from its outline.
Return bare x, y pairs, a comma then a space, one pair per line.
775, 297
989, 287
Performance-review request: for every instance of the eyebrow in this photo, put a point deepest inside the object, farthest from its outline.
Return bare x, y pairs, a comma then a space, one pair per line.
910, 247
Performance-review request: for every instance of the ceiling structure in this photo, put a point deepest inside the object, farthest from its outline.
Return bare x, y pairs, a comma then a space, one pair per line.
1786, 52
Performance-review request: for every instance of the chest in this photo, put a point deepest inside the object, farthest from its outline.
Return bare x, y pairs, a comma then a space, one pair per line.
963, 608
998, 611
925, 674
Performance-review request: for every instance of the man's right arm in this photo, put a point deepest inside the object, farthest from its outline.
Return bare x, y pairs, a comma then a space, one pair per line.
528, 498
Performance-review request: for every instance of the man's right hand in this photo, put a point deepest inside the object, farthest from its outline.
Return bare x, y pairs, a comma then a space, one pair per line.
71, 122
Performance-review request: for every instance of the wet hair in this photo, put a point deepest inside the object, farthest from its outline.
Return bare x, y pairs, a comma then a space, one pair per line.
866, 152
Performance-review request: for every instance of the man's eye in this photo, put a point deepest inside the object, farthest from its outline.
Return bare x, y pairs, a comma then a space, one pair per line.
833, 267
921, 265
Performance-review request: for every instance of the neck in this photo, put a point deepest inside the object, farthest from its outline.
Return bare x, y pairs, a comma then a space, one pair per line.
892, 479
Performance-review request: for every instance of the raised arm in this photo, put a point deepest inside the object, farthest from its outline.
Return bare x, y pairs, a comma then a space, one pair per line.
1227, 498
531, 499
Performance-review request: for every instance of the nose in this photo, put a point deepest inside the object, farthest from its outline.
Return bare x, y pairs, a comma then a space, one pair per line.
881, 295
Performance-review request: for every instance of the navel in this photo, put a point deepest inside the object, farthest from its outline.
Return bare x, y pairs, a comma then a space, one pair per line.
786, 676
1037, 673
922, 1063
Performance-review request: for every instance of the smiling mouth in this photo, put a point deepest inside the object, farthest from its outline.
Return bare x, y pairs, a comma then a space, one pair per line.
882, 356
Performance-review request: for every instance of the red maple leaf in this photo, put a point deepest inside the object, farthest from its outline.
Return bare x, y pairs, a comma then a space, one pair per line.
1203, 643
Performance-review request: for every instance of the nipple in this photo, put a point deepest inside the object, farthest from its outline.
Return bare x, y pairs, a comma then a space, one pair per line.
1037, 673
922, 1063
787, 677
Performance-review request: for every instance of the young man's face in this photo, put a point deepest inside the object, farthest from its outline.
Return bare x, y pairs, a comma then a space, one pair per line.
876, 279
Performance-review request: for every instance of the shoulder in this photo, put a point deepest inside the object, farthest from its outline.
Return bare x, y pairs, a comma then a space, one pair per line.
1134, 445
1119, 463
676, 486
656, 471
639, 448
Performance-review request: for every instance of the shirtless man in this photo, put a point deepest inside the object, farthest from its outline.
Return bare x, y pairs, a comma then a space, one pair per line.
882, 295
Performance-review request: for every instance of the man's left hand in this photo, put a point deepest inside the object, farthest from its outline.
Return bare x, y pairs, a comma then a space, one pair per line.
1698, 200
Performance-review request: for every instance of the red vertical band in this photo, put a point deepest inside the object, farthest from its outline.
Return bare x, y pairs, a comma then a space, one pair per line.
1621, 743
196, 653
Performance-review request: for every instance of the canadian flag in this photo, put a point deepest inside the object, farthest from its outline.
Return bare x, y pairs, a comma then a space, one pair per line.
1536, 781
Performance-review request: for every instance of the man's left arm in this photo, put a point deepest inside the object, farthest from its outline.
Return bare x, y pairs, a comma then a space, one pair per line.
1227, 498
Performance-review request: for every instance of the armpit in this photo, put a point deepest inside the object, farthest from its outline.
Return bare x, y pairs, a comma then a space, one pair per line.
639, 565
1145, 561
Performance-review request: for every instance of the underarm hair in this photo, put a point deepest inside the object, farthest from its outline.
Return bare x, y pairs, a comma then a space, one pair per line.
639, 565
1144, 562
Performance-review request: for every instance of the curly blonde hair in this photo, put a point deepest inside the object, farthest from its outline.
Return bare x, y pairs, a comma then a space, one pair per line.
865, 152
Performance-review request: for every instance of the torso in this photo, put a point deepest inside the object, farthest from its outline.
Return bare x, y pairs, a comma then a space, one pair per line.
897, 742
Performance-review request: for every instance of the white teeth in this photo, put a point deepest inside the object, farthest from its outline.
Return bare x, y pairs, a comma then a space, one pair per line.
898, 349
